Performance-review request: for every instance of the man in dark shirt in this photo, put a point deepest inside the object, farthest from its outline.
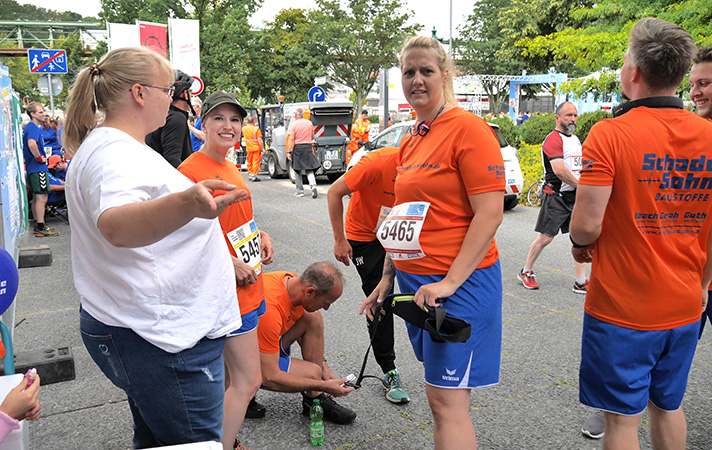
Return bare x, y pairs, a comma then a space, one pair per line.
172, 140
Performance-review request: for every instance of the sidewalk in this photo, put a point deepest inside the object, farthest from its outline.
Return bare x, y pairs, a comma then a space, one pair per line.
535, 406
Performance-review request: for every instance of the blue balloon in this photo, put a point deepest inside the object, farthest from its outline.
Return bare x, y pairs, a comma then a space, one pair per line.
9, 280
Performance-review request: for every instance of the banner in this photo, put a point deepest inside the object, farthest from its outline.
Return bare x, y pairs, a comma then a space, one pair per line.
122, 35
154, 36
185, 45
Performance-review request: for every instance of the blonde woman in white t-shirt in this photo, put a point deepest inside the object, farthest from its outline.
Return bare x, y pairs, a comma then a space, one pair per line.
157, 287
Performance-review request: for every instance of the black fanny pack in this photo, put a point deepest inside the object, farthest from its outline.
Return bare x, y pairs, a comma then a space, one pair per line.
443, 327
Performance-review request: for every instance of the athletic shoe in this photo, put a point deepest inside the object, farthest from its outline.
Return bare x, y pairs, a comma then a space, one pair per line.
394, 393
255, 410
528, 279
315, 194
580, 288
46, 232
238, 446
254, 178
593, 426
299, 194
332, 410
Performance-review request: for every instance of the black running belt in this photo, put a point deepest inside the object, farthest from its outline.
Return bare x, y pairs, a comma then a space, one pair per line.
442, 326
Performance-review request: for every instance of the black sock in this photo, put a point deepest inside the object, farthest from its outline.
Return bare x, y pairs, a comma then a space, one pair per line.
40, 226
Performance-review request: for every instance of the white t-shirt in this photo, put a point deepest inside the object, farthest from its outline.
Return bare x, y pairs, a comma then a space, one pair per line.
171, 293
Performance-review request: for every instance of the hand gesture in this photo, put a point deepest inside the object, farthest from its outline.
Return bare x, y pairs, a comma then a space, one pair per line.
23, 402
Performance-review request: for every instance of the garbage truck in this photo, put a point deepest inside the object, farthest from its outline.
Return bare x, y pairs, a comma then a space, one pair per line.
332, 131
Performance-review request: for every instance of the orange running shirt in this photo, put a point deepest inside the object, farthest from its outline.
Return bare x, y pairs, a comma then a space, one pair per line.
252, 135
372, 181
199, 167
280, 315
648, 261
459, 157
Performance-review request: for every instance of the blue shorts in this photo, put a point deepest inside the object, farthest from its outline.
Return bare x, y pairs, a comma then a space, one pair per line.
250, 320
285, 361
706, 314
622, 369
469, 364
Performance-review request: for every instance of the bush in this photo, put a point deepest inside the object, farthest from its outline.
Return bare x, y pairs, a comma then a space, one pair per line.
532, 168
374, 118
587, 120
508, 129
535, 130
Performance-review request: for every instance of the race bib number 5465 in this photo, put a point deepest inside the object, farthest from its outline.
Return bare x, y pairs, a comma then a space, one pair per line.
400, 232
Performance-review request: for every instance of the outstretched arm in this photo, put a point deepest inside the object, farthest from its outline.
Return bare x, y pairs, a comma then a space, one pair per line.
143, 223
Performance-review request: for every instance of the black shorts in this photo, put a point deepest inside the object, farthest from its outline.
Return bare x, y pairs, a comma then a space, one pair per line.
38, 182
555, 213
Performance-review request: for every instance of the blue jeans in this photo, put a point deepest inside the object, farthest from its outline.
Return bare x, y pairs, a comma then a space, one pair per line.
175, 398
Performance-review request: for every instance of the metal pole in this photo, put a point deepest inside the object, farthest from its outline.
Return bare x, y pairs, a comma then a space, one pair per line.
450, 49
51, 96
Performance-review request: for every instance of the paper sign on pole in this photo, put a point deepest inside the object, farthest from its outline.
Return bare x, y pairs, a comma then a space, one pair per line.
154, 36
122, 35
185, 45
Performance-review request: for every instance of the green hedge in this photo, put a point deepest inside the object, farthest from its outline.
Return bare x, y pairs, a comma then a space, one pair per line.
532, 169
535, 130
508, 129
587, 120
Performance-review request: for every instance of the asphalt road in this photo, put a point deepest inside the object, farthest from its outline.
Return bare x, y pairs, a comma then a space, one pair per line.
535, 405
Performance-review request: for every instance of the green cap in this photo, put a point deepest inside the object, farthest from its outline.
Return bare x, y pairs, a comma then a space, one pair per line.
220, 98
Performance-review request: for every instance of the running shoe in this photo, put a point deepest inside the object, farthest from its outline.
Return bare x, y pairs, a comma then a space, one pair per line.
528, 279
580, 288
315, 193
255, 410
46, 232
299, 194
238, 446
394, 393
593, 426
332, 411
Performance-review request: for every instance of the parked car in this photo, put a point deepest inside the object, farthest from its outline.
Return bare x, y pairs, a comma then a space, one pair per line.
392, 137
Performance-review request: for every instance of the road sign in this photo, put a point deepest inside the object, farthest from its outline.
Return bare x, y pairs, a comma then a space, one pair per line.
43, 85
47, 61
317, 94
197, 87
318, 81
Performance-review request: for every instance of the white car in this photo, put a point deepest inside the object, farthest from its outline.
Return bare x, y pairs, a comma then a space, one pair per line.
392, 136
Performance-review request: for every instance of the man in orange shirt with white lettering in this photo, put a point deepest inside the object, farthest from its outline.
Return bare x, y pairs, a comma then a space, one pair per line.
643, 216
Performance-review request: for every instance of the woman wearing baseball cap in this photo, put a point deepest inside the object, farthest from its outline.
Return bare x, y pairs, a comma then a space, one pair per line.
157, 287
249, 248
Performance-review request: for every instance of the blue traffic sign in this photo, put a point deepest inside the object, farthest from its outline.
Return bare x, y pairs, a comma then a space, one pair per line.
47, 61
317, 94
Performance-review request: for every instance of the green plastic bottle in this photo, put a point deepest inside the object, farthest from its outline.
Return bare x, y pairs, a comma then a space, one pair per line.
316, 428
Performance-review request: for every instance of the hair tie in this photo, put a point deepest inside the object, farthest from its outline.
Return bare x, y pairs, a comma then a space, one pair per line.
94, 69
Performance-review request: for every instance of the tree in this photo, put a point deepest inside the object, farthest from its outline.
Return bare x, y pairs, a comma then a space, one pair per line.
480, 40
288, 62
128, 11
361, 39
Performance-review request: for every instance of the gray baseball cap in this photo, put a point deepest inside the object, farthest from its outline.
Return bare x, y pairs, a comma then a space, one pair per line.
220, 98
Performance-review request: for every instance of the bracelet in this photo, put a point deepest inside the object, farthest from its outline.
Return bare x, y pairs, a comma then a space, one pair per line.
575, 244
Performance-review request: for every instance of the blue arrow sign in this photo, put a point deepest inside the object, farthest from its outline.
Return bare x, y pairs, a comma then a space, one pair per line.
47, 61
317, 94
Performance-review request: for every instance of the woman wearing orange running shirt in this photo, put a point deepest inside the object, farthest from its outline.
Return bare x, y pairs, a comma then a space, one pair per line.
440, 237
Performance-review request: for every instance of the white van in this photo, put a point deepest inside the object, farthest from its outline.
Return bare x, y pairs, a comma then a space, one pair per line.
392, 136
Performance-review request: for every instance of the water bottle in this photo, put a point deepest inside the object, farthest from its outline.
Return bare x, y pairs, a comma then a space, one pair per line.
316, 428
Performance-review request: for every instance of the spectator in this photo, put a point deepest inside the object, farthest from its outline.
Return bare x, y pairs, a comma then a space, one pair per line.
197, 136
34, 151
300, 152
21, 403
172, 140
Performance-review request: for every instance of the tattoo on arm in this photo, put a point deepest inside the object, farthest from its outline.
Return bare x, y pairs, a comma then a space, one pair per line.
388, 267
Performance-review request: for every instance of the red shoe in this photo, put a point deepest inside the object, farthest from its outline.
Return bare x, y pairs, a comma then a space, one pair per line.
528, 279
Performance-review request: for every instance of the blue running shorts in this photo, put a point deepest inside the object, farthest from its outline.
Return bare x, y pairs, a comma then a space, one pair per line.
469, 364
622, 369
250, 320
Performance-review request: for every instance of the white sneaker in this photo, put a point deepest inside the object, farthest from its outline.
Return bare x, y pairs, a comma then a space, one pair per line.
299, 194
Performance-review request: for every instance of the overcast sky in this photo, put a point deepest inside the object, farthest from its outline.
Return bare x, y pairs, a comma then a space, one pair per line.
429, 13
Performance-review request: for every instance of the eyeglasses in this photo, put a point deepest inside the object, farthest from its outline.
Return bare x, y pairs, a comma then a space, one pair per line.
168, 90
